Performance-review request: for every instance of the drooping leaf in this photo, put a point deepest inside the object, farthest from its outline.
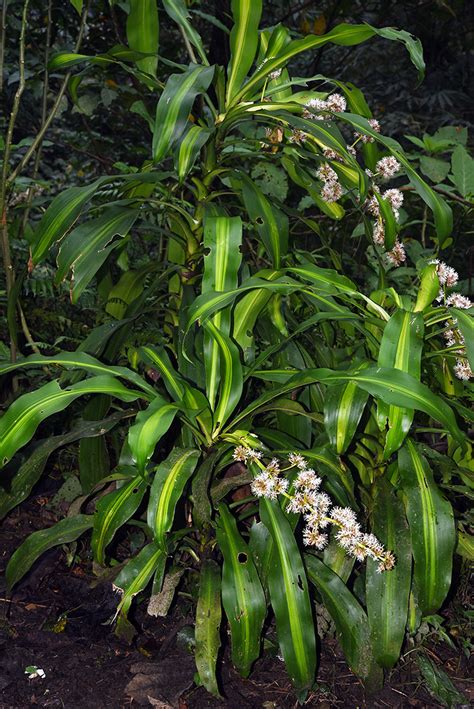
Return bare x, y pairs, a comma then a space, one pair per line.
231, 376
465, 323
188, 149
143, 32
167, 487
343, 408
112, 511
350, 620
432, 530
20, 421
243, 43
65, 531
208, 621
401, 348
290, 600
269, 221
175, 105
242, 594
387, 592
150, 425
86, 248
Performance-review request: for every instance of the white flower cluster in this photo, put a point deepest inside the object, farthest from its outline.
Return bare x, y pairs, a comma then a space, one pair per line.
333, 104
331, 190
386, 167
375, 125
315, 506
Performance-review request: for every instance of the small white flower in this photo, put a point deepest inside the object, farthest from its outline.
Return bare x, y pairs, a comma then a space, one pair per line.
298, 460
241, 454
387, 563
374, 124
327, 174
388, 166
343, 515
336, 103
397, 255
456, 300
394, 196
297, 136
379, 232
273, 467
374, 547
446, 274
372, 206
253, 454
462, 370
275, 74
331, 154
281, 485
316, 104
312, 537
331, 192
308, 480
263, 485
351, 150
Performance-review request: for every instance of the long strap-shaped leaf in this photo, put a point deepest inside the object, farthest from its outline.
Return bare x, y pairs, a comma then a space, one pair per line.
231, 376
269, 221
80, 360
343, 408
168, 484
243, 42
150, 425
222, 241
401, 348
208, 621
188, 149
432, 529
387, 593
175, 106
390, 385
19, 423
113, 511
290, 600
63, 532
465, 322
143, 32
242, 593
86, 248
350, 620
343, 34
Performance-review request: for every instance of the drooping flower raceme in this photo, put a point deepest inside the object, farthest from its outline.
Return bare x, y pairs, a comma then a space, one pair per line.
306, 498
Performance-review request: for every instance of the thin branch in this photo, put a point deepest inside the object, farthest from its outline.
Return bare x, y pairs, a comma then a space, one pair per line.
189, 47
445, 193
3, 34
52, 114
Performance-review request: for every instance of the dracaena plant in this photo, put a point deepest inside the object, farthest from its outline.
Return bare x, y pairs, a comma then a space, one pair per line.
277, 423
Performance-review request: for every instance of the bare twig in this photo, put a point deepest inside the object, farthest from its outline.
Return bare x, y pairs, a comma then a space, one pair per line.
3, 34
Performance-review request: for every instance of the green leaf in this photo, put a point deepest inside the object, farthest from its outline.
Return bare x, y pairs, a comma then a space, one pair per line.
269, 221
188, 149
178, 12
243, 43
242, 594
325, 278
20, 421
350, 620
77, 5
429, 287
290, 599
175, 105
401, 348
112, 511
208, 621
413, 45
434, 168
439, 684
391, 385
80, 360
432, 529
29, 472
222, 242
391, 226
387, 592
87, 247
143, 32
465, 323
137, 573
463, 171
343, 407
150, 425
231, 376
63, 532
167, 487
59, 218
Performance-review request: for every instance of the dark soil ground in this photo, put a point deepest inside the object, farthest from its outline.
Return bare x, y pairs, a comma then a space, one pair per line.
56, 621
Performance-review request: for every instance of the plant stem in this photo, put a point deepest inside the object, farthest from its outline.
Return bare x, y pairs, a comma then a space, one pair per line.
3, 33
